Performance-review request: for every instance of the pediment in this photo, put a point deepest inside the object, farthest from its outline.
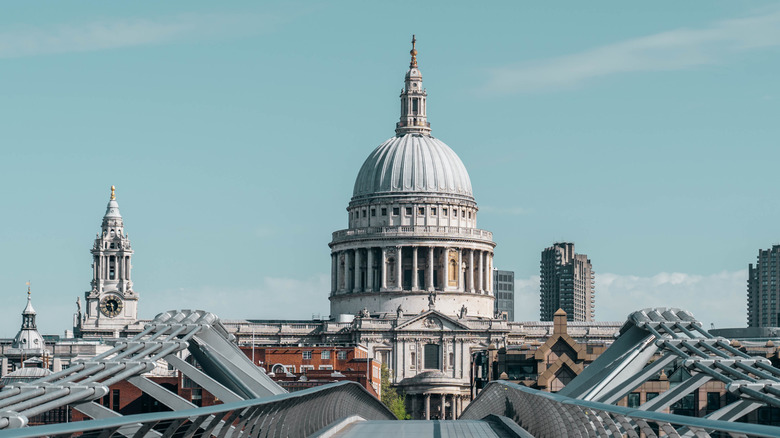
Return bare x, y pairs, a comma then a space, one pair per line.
431, 321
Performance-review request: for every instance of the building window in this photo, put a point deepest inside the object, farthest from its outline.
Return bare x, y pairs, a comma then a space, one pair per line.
433, 212
115, 400
326, 367
341, 355
289, 368
444, 211
451, 360
396, 211
469, 215
384, 211
373, 212
421, 211
408, 211
364, 214
431, 357
633, 400
306, 355
713, 401
305, 368
412, 360
325, 354
463, 213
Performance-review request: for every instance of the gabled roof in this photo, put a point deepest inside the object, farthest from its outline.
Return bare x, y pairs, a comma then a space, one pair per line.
431, 320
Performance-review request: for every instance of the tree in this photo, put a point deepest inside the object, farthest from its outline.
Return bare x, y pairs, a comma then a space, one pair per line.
394, 400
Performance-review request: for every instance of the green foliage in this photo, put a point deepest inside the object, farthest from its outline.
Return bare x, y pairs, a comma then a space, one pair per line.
394, 400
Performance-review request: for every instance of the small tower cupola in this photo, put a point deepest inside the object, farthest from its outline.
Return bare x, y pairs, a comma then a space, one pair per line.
28, 340
413, 101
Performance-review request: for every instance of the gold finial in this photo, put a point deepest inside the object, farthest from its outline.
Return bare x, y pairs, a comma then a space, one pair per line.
113, 195
413, 52
28, 288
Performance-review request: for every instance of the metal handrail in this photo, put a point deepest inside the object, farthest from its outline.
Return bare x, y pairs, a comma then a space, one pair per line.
521, 404
343, 399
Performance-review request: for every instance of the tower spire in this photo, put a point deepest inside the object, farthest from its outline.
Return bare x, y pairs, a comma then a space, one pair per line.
413, 52
413, 100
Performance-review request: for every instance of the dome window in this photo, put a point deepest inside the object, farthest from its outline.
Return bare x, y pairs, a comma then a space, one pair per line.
444, 212
433, 212
364, 213
408, 211
421, 211
373, 212
396, 211
384, 211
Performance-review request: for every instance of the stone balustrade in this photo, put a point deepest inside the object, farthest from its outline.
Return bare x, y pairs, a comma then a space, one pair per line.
411, 231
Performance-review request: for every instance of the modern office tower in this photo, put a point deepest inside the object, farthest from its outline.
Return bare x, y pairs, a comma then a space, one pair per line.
504, 290
763, 293
567, 281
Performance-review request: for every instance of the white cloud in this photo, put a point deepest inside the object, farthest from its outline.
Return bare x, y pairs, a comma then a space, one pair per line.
672, 50
273, 298
111, 34
718, 298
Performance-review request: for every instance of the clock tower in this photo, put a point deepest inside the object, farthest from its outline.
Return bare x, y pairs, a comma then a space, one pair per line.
111, 304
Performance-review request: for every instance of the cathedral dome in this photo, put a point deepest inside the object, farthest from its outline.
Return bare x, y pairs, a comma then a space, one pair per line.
412, 164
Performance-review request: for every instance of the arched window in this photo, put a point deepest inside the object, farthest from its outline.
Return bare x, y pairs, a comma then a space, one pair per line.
453, 272
431, 357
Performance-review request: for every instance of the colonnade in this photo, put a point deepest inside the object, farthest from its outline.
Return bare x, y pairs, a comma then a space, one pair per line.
411, 267
102, 268
437, 408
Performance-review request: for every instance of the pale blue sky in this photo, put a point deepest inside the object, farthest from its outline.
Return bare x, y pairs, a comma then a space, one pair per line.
645, 133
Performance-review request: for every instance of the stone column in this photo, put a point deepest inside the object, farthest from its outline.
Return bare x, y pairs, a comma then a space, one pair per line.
339, 271
489, 272
334, 281
347, 263
460, 270
414, 406
471, 271
446, 269
399, 267
356, 287
481, 286
427, 406
383, 269
443, 407
129, 268
369, 269
429, 277
415, 286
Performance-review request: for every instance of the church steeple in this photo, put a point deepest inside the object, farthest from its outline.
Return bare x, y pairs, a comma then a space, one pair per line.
111, 304
111, 252
413, 101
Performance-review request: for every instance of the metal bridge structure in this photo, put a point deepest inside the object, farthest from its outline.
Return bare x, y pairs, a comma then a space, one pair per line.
650, 341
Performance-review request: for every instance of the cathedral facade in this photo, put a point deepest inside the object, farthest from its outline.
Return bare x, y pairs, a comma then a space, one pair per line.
411, 275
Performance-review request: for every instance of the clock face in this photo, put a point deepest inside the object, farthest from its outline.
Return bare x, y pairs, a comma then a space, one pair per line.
111, 306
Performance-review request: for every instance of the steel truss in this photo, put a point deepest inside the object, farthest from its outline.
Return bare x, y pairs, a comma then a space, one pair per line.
251, 398
650, 341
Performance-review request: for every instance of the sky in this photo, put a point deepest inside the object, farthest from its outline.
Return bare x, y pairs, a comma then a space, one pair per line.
647, 134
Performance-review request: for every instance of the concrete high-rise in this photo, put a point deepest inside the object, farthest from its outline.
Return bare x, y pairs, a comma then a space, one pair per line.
504, 291
567, 281
763, 292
